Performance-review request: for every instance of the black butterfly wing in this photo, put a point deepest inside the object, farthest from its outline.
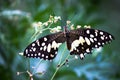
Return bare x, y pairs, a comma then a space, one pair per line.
82, 41
46, 47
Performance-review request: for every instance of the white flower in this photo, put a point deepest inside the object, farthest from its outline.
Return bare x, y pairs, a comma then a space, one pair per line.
34, 24
56, 29
45, 23
72, 27
50, 19
78, 26
56, 18
37, 24
87, 26
68, 22
59, 27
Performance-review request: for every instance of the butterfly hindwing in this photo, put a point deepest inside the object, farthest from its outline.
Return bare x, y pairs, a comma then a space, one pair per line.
46, 47
79, 42
84, 40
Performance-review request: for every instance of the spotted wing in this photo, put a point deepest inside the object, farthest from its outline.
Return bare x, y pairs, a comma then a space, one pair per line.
82, 41
46, 47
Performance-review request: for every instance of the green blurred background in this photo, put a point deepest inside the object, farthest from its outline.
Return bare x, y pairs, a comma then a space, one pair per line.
16, 17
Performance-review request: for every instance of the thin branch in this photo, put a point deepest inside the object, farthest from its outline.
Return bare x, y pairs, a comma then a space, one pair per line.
60, 64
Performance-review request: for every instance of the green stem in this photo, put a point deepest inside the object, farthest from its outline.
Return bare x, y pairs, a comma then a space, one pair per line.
54, 73
64, 60
59, 67
37, 33
60, 63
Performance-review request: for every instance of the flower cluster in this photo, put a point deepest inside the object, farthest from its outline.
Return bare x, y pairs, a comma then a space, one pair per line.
87, 26
38, 26
56, 29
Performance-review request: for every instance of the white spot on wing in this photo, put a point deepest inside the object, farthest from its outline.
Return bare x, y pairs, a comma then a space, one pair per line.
74, 44
96, 32
103, 43
51, 55
26, 51
45, 48
41, 48
101, 33
95, 39
42, 55
106, 37
30, 50
39, 54
82, 47
88, 31
91, 35
88, 50
96, 46
37, 41
87, 41
56, 52
46, 57
110, 36
35, 55
49, 47
99, 43
55, 45
34, 49
91, 40
28, 54
31, 54
81, 55
102, 37
45, 39
33, 44
81, 40
43, 44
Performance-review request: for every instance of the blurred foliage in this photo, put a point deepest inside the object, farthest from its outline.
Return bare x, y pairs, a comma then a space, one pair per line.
17, 16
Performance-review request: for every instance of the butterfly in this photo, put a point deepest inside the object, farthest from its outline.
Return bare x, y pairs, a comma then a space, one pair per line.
79, 42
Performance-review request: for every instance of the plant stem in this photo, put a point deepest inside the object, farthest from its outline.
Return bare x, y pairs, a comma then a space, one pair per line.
64, 60
55, 73
60, 63
59, 67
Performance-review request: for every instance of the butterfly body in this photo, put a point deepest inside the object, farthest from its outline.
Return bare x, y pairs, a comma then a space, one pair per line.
79, 42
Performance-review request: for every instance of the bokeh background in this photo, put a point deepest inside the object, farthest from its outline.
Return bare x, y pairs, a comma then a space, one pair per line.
16, 17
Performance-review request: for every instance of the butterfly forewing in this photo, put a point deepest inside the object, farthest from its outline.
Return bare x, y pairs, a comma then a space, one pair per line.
46, 47
82, 41
79, 42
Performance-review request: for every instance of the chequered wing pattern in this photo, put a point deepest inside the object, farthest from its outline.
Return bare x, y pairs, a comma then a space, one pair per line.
84, 40
46, 47
78, 41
